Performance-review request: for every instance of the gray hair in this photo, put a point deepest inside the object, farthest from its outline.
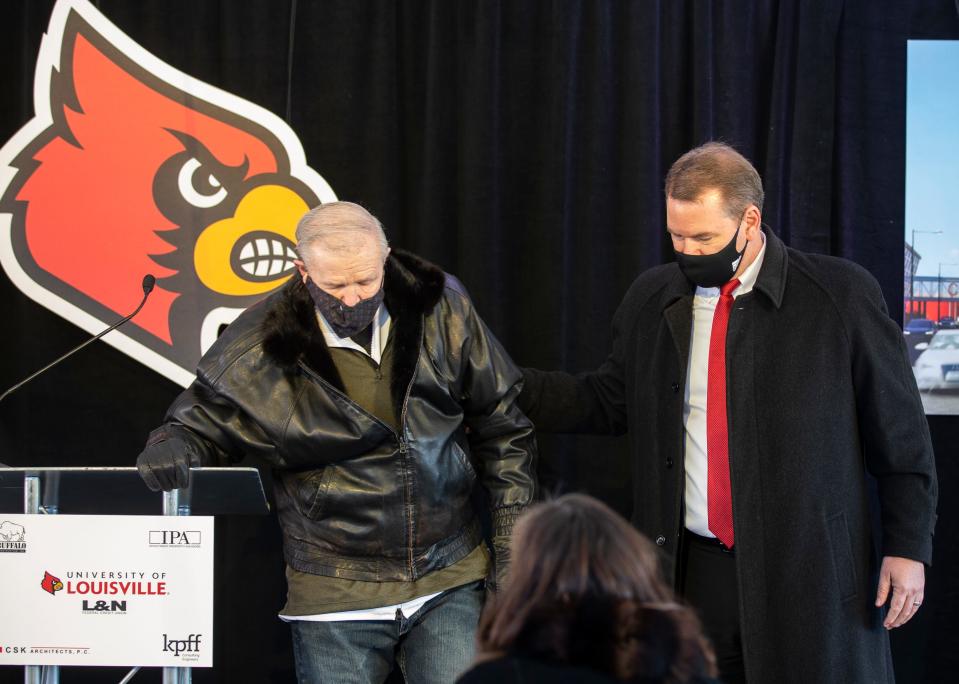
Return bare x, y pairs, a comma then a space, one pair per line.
337, 226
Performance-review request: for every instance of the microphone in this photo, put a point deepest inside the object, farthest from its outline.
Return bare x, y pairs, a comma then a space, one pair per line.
149, 282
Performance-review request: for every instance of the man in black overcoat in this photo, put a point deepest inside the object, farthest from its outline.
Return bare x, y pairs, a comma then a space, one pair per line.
759, 386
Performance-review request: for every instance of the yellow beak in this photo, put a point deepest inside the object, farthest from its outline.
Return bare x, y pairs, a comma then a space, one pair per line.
251, 252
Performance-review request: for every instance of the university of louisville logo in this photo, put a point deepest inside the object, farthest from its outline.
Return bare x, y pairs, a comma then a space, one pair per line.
132, 167
51, 584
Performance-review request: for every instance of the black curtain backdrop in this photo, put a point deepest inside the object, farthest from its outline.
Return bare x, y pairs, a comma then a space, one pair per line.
522, 146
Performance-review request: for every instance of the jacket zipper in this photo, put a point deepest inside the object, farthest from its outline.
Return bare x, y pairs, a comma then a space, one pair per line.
404, 453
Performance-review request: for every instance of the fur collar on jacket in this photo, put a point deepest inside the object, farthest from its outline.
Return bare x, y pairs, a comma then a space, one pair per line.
412, 287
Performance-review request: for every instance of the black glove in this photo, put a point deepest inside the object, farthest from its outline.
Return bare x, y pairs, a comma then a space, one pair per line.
165, 464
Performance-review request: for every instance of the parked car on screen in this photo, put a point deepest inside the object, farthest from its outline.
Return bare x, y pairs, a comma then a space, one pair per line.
919, 326
916, 331
947, 323
938, 364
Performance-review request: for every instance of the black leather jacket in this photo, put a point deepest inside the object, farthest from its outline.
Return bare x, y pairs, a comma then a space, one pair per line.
355, 498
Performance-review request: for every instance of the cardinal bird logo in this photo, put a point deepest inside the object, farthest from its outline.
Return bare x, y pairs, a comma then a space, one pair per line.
132, 167
51, 584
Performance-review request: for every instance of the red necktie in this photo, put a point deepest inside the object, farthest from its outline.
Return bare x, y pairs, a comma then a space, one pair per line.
718, 494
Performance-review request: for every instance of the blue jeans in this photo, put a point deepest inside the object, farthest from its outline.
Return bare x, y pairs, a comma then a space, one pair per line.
434, 646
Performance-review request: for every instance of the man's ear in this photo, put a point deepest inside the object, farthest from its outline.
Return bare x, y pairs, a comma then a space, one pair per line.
754, 221
301, 267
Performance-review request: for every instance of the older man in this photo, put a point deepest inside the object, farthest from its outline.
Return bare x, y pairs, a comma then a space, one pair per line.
356, 383
758, 385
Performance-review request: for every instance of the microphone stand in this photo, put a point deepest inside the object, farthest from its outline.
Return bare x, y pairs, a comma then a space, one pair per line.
148, 283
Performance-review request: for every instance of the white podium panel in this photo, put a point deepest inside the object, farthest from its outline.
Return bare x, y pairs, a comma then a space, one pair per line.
106, 590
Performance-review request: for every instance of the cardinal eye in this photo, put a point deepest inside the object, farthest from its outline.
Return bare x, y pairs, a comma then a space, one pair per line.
199, 188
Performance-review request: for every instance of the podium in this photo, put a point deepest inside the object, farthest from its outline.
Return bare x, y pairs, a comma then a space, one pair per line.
121, 491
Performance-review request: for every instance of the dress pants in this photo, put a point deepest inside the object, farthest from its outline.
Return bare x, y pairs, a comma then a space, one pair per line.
708, 583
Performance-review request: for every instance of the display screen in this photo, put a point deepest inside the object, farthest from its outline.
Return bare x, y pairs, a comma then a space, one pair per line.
931, 273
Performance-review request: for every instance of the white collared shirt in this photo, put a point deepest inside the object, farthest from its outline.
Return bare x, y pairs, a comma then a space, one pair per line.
381, 334
694, 407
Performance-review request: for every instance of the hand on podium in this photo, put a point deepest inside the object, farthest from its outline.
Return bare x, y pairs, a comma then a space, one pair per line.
165, 464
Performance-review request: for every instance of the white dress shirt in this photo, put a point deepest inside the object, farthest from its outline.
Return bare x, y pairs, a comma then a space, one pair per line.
694, 407
381, 334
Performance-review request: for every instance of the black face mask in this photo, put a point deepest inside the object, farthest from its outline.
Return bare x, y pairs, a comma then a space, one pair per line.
346, 321
711, 270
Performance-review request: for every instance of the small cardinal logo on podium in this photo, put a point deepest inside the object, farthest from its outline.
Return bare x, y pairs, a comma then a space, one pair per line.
51, 584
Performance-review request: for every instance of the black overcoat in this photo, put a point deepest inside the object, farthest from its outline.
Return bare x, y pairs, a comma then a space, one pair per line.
820, 391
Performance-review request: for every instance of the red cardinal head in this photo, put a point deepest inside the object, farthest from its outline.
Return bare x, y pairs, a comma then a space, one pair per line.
131, 167
50, 584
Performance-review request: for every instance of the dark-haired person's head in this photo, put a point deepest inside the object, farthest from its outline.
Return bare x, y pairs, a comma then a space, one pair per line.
584, 590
